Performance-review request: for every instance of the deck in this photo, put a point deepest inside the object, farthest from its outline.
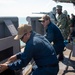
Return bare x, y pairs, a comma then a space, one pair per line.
67, 66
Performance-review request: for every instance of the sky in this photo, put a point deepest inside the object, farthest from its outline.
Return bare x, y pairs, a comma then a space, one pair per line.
23, 8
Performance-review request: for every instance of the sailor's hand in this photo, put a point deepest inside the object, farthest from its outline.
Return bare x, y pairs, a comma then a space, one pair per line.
12, 58
3, 67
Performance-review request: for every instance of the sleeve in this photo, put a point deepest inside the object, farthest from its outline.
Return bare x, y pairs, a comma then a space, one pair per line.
25, 58
18, 55
63, 21
50, 34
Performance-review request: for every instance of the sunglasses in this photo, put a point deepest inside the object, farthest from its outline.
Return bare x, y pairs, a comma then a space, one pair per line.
23, 36
42, 21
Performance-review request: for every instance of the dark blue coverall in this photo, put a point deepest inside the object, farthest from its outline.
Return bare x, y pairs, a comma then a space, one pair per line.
54, 35
43, 53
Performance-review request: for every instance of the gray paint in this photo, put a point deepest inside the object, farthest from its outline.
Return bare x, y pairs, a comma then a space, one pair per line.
36, 25
6, 38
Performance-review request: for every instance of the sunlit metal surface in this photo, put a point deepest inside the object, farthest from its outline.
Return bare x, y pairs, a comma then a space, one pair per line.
66, 1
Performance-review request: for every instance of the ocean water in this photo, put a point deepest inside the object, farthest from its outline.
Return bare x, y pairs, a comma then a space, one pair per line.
22, 20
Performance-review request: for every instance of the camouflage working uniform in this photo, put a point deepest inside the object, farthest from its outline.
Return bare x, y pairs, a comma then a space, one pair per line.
63, 24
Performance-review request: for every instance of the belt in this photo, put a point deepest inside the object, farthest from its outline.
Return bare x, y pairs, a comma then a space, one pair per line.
50, 65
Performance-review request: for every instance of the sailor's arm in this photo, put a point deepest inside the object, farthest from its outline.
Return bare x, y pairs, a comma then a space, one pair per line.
3, 67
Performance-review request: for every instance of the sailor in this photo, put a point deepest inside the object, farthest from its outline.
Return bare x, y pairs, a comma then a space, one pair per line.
68, 22
38, 48
62, 21
54, 35
52, 15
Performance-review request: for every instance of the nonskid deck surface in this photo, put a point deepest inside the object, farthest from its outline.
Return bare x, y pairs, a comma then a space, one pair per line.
67, 66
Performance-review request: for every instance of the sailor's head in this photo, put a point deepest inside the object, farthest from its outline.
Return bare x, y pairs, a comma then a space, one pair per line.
44, 17
54, 10
59, 9
45, 20
22, 31
65, 12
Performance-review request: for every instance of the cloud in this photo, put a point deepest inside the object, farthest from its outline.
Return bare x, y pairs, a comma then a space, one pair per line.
24, 7
7, 1
20, 7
